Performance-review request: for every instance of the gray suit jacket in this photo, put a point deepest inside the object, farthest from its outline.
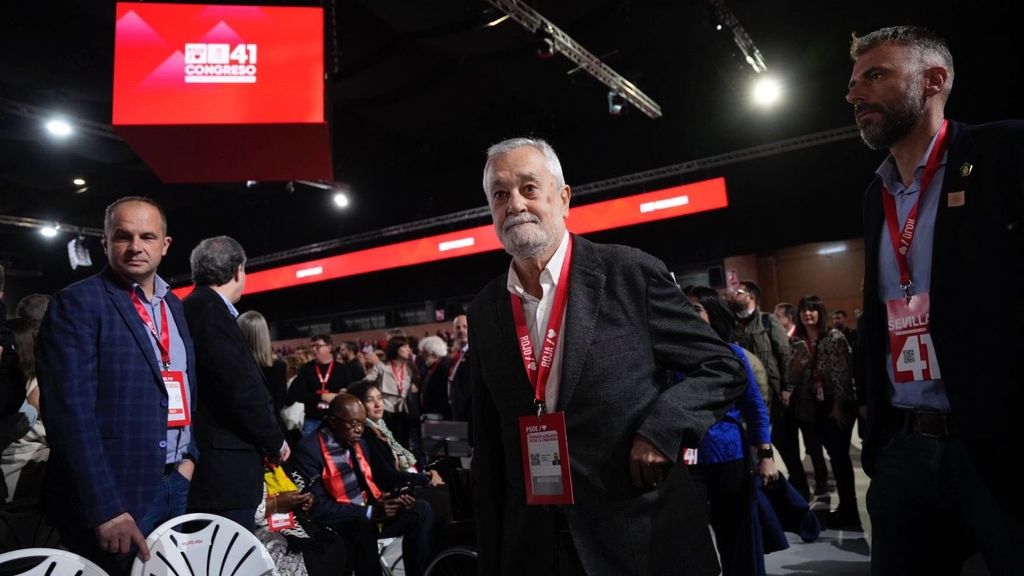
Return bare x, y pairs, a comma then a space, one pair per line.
626, 324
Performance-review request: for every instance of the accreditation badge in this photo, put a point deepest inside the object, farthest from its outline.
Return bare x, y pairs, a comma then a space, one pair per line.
545, 459
283, 521
178, 414
910, 340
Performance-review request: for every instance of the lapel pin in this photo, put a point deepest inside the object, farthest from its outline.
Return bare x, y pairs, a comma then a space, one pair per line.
965, 170
956, 199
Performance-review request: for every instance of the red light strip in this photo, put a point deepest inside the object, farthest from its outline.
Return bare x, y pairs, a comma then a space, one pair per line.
621, 212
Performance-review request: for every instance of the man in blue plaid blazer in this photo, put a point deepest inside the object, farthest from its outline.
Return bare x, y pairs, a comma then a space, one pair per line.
117, 376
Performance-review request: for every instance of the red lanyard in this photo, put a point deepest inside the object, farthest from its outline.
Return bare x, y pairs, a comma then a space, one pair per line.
539, 374
455, 364
323, 379
901, 240
399, 378
163, 339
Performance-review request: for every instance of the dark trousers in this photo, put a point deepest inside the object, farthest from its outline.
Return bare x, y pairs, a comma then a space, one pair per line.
836, 439
727, 491
169, 503
245, 517
930, 510
786, 438
814, 442
415, 526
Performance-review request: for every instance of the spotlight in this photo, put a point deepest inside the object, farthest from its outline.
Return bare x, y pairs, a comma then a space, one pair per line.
58, 128
78, 181
250, 184
616, 103
49, 231
340, 199
767, 91
545, 43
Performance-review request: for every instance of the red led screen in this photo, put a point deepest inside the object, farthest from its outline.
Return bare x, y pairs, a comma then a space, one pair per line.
206, 64
618, 213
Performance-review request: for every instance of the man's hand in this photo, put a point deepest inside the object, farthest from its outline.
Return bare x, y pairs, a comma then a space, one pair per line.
391, 505
767, 470
187, 468
786, 395
288, 501
117, 535
327, 397
647, 465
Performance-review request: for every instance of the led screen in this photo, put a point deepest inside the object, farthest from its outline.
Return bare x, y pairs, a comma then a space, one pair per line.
205, 64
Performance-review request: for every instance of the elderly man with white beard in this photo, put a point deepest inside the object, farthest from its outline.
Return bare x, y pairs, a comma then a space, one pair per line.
577, 431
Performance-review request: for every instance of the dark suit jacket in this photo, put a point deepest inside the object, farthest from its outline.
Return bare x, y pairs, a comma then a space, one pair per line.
235, 425
977, 309
626, 323
105, 402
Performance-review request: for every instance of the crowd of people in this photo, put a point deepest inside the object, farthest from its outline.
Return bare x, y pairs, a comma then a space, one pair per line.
643, 411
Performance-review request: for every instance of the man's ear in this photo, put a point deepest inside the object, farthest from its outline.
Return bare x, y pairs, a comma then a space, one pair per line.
935, 80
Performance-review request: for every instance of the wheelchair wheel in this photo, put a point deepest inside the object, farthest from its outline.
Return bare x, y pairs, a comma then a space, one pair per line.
454, 561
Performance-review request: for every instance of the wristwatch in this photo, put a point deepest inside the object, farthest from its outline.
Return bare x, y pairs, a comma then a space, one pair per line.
765, 453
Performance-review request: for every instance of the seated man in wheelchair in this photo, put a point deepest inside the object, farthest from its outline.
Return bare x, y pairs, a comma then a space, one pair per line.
346, 497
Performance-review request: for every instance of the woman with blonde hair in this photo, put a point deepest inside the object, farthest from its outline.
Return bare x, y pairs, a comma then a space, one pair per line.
256, 334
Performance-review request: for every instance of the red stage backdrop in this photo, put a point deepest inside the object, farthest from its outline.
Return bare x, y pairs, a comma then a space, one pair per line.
222, 93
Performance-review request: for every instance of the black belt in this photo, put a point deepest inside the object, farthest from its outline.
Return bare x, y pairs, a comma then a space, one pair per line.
932, 423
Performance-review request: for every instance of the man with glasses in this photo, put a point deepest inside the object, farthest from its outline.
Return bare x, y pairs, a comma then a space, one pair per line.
335, 462
318, 382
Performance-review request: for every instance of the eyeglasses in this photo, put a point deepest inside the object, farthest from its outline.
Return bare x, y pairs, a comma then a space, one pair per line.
321, 345
741, 291
353, 424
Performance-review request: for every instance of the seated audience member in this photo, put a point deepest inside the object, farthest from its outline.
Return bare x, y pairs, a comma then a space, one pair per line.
395, 378
399, 462
24, 459
346, 495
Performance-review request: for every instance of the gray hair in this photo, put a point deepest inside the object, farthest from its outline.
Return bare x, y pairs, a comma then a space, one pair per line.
929, 48
108, 215
257, 337
433, 345
550, 157
33, 307
215, 261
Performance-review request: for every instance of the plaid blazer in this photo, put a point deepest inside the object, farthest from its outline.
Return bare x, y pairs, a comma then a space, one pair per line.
104, 402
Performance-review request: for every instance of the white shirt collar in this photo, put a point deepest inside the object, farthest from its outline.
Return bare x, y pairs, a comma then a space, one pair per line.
549, 276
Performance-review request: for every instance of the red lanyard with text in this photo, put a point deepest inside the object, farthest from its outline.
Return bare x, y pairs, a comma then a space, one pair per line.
538, 374
901, 240
163, 339
399, 378
324, 379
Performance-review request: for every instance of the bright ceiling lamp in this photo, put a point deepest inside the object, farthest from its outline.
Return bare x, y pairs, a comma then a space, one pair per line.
58, 128
767, 91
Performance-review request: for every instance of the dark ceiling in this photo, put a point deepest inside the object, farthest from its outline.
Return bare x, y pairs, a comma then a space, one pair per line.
418, 90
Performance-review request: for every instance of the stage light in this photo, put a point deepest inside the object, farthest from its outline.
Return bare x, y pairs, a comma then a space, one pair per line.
616, 103
340, 199
78, 181
545, 44
58, 128
49, 231
767, 91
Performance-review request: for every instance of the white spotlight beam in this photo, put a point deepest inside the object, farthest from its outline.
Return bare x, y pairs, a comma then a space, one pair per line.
739, 35
533, 21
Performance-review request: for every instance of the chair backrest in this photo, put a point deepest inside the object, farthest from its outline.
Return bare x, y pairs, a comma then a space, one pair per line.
47, 561
445, 438
221, 548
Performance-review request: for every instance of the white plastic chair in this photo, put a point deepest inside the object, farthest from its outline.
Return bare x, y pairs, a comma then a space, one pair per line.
55, 563
221, 548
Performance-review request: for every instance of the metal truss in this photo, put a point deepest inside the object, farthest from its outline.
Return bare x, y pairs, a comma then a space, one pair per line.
562, 42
